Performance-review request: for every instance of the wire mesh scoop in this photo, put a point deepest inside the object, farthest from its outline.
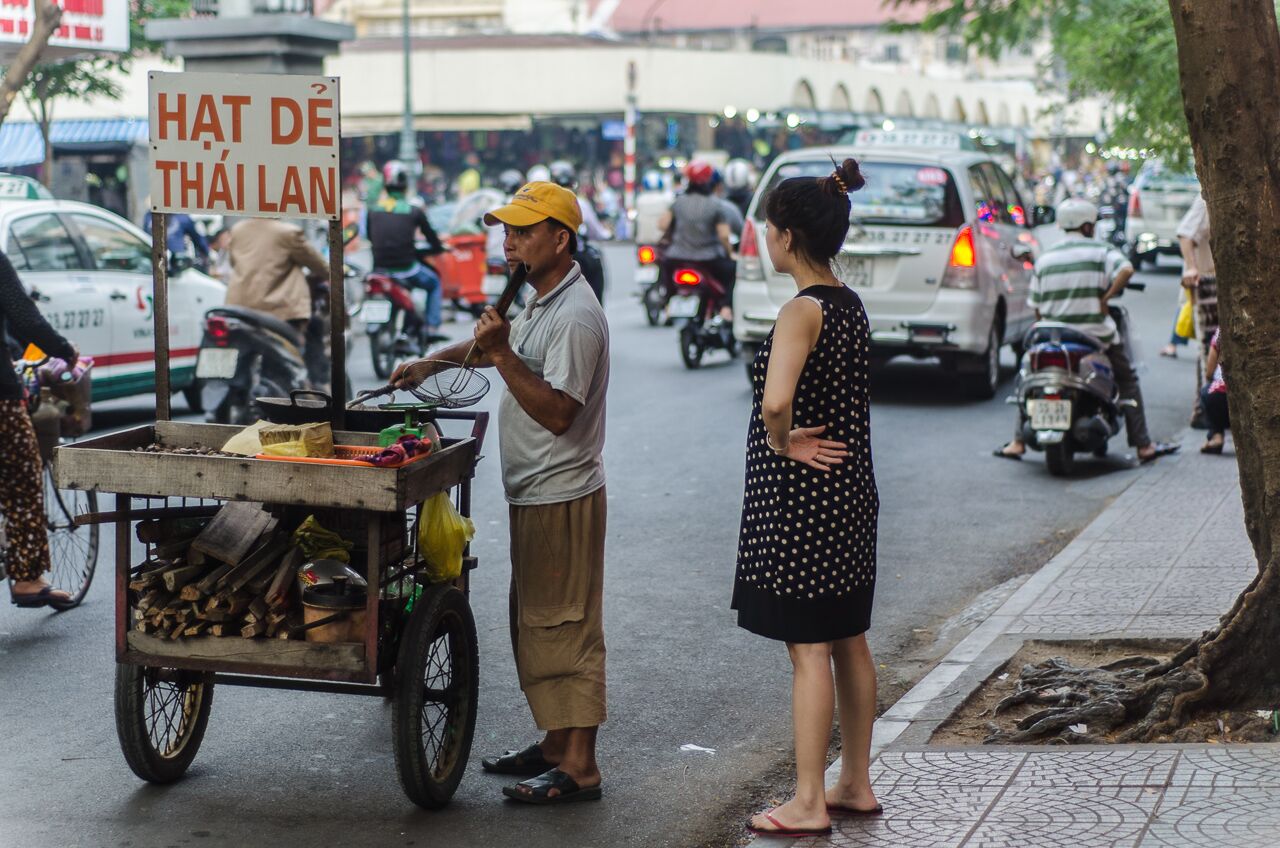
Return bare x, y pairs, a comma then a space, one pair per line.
449, 386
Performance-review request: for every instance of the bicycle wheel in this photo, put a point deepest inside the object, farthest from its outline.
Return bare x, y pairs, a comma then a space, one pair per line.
161, 715
433, 716
73, 551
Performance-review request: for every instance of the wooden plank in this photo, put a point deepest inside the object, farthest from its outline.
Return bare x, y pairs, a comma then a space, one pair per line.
229, 654
267, 555
210, 581
233, 532
278, 591
175, 579
444, 470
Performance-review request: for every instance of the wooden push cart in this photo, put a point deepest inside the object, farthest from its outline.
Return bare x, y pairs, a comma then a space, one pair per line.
418, 644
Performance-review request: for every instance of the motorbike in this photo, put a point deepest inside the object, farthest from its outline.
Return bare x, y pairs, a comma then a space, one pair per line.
394, 316
654, 290
245, 355
695, 307
1066, 392
1110, 226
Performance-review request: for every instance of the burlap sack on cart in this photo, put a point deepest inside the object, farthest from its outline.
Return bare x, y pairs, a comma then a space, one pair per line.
443, 534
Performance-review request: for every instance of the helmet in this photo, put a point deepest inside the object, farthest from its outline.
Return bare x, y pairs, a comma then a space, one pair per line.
563, 174
510, 181
539, 174
699, 172
1074, 212
395, 176
737, 174
651, 181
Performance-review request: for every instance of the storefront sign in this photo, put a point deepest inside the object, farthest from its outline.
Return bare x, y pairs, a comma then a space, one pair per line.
262, 145
97, 26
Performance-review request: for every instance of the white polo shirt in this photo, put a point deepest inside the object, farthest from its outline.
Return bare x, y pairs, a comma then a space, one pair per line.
564, 339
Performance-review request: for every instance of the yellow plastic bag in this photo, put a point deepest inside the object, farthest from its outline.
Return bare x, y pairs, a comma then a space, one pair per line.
1186, 324
443, 533
318, 543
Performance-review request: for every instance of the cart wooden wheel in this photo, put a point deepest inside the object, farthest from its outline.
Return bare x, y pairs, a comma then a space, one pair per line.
433, 716
161, 715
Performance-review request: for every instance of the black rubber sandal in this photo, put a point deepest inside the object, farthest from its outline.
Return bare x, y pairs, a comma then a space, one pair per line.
1162, 449
539, 788
524, 763
36, 600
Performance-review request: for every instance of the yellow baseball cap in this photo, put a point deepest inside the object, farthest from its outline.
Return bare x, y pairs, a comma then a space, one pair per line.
535, 203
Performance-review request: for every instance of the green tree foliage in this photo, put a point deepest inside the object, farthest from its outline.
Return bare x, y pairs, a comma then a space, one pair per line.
1122, 51
94, 76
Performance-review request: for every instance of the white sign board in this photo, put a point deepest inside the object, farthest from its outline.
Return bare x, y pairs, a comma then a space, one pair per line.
87, 26
259, 145
907, 138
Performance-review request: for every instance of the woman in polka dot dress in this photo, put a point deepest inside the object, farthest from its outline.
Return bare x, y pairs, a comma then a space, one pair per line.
807, 549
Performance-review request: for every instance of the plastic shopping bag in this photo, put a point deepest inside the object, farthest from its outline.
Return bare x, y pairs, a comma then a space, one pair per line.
1186, 324
442, 536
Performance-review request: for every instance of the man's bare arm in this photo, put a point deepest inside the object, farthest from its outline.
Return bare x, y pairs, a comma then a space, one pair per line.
551, 408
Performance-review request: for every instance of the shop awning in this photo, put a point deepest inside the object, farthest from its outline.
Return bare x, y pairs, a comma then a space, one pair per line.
21, 144
382, 124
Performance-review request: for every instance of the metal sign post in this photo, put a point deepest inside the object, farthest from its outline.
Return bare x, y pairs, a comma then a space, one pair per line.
160, 311
337, 325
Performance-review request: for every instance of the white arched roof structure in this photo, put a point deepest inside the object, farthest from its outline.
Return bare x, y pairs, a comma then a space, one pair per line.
802, 95
958, 113
840, 100
875, 103
902, 107
1003, 118
980, 115
932, 109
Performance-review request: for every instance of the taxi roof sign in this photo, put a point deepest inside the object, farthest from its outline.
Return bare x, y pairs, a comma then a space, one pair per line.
908, 138
16, 187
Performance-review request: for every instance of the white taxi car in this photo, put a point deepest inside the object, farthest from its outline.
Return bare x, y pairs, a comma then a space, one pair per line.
1158, 199
89, 272
940, 250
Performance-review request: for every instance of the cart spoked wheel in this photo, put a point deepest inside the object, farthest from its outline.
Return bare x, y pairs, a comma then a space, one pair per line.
433, 716
161, 715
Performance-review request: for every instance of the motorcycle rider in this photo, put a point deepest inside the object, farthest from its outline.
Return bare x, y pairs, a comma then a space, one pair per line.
739, 183
587, 257
1073, 283
698, 230
391, 228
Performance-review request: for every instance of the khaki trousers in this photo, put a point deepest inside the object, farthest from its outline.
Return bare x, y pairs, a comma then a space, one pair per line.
557, 600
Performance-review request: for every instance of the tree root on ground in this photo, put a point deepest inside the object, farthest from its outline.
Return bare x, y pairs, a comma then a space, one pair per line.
1103, 699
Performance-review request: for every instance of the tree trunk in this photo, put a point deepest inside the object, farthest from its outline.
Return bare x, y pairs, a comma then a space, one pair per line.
47, 18
1229, 63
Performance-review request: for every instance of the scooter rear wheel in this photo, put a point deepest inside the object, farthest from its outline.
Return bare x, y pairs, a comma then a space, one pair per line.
691, 348
1061, 458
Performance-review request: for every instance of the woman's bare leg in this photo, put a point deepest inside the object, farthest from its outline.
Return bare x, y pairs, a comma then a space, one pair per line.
856, 693
812, 709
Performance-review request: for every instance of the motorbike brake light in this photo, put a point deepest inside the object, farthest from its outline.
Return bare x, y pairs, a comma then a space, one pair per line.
962, 270
1050, 359
750, 266
688, 277
646, 254
375, 285
1135, 204
219, 329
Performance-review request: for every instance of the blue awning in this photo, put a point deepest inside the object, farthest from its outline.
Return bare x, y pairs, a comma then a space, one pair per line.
21, 144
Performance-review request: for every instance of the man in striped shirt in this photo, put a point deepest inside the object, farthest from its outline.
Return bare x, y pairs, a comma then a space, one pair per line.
1073, 282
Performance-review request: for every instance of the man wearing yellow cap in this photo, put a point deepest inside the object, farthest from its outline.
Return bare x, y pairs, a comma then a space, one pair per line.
554, 358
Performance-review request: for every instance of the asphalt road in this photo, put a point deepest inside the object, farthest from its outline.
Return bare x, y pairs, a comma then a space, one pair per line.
289, 769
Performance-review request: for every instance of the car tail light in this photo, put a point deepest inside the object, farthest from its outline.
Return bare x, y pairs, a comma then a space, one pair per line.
496, 267
1135, 204
750, 267
219, 330
375, 285
646, 254
688, 277
962, 270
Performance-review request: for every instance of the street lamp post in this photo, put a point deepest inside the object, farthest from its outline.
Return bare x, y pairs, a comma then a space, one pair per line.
408, 144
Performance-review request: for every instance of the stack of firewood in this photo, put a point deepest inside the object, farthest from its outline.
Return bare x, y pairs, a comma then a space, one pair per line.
231, 575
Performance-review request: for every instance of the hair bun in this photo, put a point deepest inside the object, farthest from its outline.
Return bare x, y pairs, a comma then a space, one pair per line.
847, 177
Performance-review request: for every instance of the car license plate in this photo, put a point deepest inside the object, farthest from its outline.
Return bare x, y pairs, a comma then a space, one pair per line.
647, 275
216, 363
1050, 414
683, 307
375, 311
859, 273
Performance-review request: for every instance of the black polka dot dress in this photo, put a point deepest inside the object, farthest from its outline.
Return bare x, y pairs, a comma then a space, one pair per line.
807, 549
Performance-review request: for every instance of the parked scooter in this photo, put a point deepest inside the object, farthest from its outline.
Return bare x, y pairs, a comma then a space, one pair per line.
245, 355
394, 316
1067, 393
695, 306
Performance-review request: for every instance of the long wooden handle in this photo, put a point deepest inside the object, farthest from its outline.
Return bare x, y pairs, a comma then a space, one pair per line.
518, 278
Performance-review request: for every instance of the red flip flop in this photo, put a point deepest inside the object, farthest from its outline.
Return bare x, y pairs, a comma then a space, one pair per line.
780, 829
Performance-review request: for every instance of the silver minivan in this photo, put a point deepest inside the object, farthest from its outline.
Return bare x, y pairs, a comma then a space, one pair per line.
940, 250
1158, 199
